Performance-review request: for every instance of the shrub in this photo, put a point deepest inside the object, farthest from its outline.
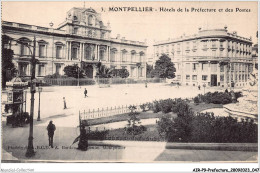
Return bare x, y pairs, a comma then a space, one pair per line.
196, 100
156, 106
144, 107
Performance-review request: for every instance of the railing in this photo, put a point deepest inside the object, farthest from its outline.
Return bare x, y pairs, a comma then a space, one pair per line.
69, 82
128, 80
99, 113
99, 81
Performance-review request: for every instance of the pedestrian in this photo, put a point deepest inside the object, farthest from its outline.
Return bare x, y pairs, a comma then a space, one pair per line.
145, 84
199, 87
86, 92
64, 102
51, 128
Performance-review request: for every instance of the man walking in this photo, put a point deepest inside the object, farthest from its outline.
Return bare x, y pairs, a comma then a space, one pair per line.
86, 92
51, 128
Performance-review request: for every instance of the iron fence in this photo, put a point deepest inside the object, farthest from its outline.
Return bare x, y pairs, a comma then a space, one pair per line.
99, 81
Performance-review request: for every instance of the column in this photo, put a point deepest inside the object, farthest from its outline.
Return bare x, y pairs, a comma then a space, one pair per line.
83, 51
69, 55
80, 51
108, 53
96, 52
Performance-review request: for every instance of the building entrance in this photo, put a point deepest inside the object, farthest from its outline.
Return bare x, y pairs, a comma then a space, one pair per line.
214, 80
89, 71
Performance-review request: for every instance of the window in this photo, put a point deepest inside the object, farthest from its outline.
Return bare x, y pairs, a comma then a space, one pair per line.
75, 30
113, 56
194, 77
132, 71
74, 53
58, 51
187, 77
179, 77
214, 44
41, 70
41, 50
102, 54
24, 50
124, 53
23, 69
88, 52
204, 44
90, 20
222, 78
102, 36
221, 68
204, 77
132, 56
58, 68
140, 72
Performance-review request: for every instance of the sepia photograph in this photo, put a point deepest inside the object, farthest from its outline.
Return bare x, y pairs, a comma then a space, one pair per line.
130, 82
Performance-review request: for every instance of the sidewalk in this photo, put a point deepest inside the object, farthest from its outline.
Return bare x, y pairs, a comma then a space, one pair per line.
16, 140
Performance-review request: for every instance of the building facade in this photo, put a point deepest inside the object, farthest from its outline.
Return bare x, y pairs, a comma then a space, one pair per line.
82, 39
213, 57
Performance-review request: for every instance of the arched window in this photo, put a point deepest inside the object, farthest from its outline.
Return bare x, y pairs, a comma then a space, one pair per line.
133, 52
113, 54
90, 20
89, 52
124, 55
141, 57
74, 51
102, 52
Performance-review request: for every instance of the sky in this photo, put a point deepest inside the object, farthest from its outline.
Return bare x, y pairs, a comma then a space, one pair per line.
138, 26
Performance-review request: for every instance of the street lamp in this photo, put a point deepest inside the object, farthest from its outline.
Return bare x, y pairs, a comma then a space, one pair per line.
30, 149
39, 112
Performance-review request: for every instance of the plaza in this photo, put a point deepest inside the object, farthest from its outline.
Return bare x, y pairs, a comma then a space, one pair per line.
66, 121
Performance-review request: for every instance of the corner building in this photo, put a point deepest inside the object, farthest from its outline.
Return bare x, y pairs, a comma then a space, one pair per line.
81, 39
213, 57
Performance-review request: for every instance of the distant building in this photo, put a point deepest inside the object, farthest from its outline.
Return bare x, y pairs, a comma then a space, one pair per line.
81, 39
213, 57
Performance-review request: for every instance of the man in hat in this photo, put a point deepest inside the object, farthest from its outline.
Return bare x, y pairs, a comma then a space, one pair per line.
51, 128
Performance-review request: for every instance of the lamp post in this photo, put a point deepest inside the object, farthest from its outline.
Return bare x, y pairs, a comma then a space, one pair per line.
39, 111
30, 149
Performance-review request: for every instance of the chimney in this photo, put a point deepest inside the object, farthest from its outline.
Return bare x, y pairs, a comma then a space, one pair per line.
118, 36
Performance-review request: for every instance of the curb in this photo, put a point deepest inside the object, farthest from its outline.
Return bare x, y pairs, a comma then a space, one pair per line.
252, 147
249, 147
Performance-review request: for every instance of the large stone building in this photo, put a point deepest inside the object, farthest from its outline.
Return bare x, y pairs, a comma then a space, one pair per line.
213, 57
81, 39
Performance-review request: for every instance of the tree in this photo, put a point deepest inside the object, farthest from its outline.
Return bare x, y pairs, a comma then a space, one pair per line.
103, 71
122, 73
8, 67
73, 71
164, 68
149, 69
